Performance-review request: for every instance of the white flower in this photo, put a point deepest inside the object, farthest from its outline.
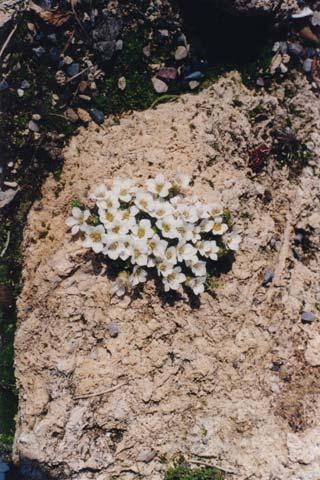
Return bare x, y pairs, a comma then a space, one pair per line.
208, 249
122, 284
170, 255
164, 268
143, 230
128, 216
202, 210
159, 185
139, 275
144, 202
107, 217
182, 180
232, 240
196, 284
197, 267
167, 226
162, 209
139, 252
177, 200
157, 246
95, 238
124, 189
118, 227
174, 280
114, 247
110, 202
215, 209
100, 193
78, 220
185, 231
187, 212
185, 251
216, 227
126, 247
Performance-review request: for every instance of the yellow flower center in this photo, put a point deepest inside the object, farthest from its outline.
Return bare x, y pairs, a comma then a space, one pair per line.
141, 232
166, 227
216, 227
95, 236
143, 203
159, 187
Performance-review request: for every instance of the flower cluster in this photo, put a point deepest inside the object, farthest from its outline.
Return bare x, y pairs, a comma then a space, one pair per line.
158, 228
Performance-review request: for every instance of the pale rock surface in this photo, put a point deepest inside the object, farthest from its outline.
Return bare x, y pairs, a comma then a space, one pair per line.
224, 382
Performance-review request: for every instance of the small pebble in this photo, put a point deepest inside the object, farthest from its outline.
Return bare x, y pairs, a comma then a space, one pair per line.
146, 455
20, 92
159, 85
83, 115
3, 85
52, 37
119, 45
113, 329
194, 84
71, 115
295, 49
97, 116
33, 126
36, 117
146, 51
54, 54
307, 64
39, 51
181, 53
10, 184
267, 277
194, 76
73, 69
25, 84
122, 83
307, 317
167, 73
260, 82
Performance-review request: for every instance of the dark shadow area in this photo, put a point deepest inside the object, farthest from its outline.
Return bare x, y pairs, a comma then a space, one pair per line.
223, 38
29, 470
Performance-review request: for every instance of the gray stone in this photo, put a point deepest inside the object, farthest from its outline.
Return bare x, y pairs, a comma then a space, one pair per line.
97, 116
181, 53
7, 196
3, 85
73, 69
33, 126
25, 84
307, 317
146, 455
194, 76
295, 49
260, 82
307, 64
113, 329
159, 85
39, 51
267, 277
20, 92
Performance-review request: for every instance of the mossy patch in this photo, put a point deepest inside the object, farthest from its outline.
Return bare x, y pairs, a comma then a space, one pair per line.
182, 471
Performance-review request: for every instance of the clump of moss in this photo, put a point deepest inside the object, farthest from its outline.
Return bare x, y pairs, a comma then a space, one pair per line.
182, 471
289, 150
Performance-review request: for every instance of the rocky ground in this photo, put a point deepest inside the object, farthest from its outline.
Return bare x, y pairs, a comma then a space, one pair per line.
230, 382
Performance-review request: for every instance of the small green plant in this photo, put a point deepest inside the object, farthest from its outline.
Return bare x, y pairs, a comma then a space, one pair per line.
182, 471
289, 150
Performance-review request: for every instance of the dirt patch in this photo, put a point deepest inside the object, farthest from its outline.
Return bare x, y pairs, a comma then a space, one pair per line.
231, 382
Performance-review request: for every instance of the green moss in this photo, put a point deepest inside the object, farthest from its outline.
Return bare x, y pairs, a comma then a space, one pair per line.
181, 471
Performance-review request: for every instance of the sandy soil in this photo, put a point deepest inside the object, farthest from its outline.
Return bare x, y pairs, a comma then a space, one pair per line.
232, 382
